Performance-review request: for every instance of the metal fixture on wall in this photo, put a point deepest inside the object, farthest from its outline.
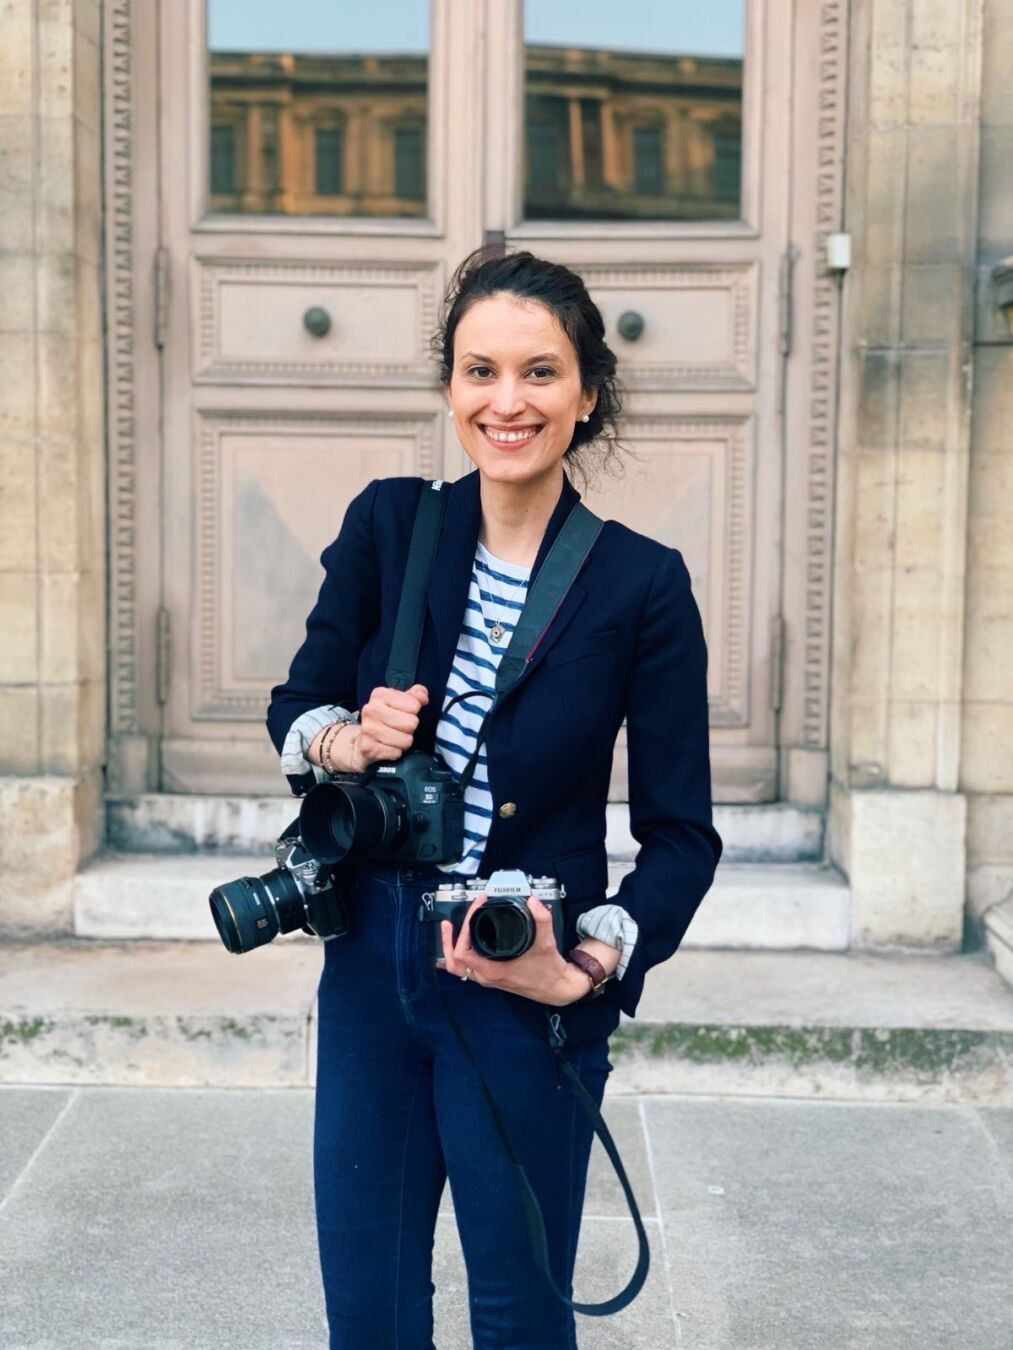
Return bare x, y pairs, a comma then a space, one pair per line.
1002, 289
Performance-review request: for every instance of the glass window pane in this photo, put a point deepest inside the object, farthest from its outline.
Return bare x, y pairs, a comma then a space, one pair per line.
633, 111
223, 159
329, 148
409, 170
318, 107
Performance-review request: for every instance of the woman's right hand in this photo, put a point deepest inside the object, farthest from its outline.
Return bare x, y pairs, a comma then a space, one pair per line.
387, 723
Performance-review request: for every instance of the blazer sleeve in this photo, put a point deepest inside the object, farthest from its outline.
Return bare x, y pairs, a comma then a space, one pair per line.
669, 775
347, 611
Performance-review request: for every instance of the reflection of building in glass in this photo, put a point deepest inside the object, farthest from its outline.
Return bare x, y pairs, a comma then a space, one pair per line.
610, 135
341, 135
629, 135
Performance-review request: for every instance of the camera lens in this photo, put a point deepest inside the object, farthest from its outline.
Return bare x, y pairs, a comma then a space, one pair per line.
502, 929
350, 820
253, 910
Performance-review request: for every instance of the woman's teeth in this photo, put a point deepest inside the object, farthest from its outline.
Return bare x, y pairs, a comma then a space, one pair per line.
510, 437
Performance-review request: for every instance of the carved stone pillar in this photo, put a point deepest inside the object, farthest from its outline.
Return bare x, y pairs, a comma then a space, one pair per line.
52, 577
898, 815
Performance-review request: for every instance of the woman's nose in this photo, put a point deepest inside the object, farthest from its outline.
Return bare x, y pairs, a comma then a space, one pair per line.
507, 399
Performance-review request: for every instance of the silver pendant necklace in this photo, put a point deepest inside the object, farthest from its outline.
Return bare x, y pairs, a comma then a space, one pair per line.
497, 632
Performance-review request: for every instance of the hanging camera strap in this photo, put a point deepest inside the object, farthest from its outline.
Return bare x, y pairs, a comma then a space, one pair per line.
545, 595
404, 649
529, 1201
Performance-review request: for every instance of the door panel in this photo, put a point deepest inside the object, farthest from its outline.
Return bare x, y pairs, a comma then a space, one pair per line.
293, 322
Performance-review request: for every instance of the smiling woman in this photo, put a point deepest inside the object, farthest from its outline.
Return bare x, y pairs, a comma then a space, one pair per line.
516, 395
530, 384
525, 367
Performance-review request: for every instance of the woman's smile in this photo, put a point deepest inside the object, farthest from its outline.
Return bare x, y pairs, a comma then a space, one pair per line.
510, 438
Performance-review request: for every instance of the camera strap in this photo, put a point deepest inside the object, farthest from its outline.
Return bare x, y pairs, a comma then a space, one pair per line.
529, 1201
546, 593
404, 649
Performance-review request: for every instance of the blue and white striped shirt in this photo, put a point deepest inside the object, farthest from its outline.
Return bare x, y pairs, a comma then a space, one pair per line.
496, 595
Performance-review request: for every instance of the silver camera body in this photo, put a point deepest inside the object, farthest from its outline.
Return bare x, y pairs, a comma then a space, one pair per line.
503, 927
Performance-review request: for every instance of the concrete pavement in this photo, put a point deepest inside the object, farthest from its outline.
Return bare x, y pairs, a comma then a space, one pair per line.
181, 1219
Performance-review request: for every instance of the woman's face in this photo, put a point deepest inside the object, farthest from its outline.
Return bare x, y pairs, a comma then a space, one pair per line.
515, 389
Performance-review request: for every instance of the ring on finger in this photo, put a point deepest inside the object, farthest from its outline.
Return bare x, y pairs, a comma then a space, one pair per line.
468, 972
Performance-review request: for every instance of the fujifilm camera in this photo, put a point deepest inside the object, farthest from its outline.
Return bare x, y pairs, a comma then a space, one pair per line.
503, 927
408, 811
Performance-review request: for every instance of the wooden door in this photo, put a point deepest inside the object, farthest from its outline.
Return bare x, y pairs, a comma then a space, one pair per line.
318, 188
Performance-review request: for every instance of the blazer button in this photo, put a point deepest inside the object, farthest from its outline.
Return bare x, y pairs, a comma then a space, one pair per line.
507, 810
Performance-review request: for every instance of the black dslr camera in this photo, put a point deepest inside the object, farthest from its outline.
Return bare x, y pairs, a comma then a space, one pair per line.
408, 811
503, 927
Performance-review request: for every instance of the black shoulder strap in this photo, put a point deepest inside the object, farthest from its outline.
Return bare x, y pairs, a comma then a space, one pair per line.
529, 1201
404, 649
548, 591
545, 595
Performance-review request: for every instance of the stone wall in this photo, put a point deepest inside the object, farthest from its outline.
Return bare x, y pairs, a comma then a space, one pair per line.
52, 545
898, 764
987, 723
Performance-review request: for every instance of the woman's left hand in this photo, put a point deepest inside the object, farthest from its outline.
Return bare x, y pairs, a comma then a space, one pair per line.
541, 973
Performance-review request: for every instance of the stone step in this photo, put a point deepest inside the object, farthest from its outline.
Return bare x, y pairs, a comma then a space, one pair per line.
998, 924
750, 905
181, 823
808, 1024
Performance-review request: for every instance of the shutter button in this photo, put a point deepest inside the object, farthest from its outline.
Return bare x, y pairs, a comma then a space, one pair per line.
507, 810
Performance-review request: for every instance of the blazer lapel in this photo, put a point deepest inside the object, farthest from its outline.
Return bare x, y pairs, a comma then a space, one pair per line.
451, 575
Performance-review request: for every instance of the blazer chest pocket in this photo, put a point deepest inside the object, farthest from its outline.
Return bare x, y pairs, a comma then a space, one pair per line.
601, 644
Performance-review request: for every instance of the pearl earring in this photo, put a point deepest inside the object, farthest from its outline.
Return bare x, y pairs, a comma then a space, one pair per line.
450, 412
586, 417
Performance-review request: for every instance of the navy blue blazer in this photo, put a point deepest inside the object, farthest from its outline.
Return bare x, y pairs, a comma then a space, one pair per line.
627, 642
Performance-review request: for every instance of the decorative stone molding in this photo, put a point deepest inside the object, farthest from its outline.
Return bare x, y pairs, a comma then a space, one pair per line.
815, 646
121, 320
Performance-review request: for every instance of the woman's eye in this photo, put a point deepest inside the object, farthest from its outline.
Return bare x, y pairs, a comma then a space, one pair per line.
547, 370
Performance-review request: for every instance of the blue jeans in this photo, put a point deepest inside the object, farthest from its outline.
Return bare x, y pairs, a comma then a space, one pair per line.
399, 1110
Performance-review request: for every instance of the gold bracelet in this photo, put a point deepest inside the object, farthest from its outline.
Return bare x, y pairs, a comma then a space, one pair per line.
330, 744
330, 736
328, 732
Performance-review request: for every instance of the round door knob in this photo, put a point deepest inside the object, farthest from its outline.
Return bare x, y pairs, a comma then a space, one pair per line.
630, 325
317, 321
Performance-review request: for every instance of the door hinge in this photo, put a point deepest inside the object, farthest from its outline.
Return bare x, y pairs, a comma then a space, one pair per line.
785, 305
777, 640
163, 654
495, 239
162, 296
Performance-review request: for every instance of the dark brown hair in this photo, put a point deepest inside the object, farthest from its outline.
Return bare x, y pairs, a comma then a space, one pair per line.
489, 271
